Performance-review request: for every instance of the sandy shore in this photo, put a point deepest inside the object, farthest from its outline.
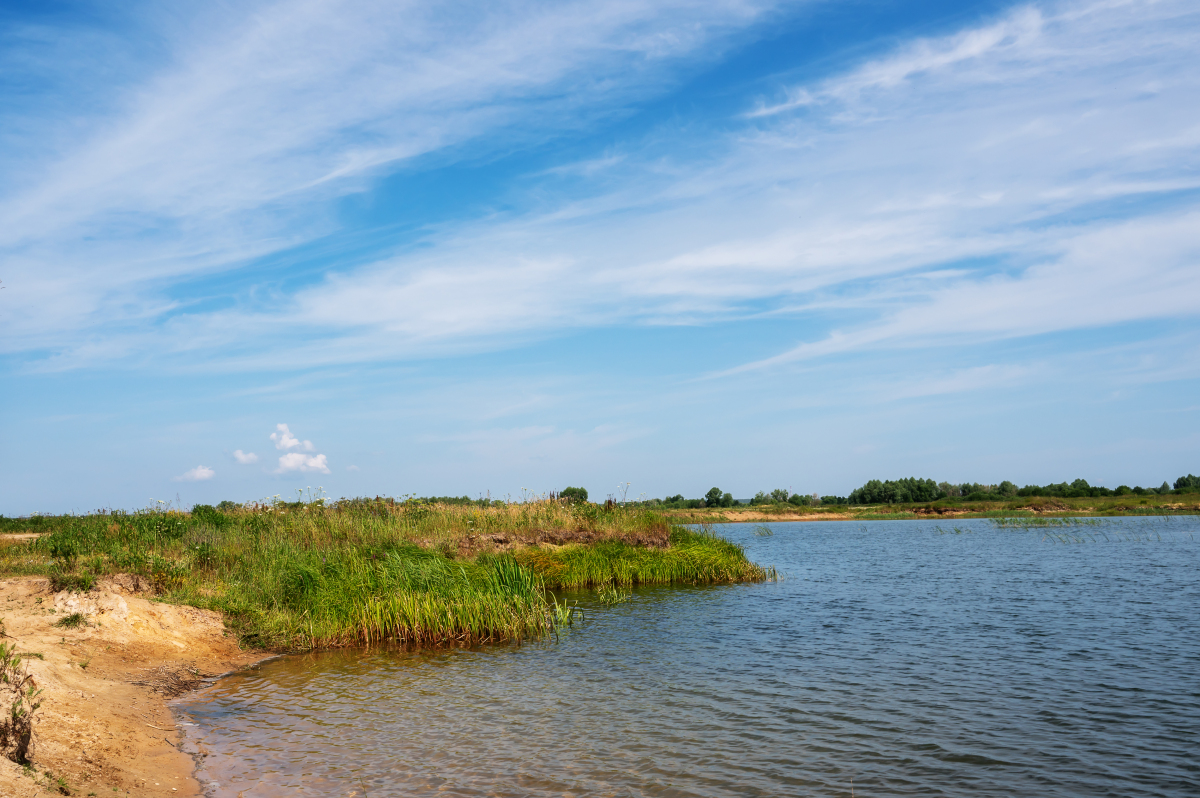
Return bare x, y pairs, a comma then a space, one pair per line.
726, 516
104, 721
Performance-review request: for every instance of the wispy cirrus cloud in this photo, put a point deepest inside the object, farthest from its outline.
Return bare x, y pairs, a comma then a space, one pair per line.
990, 157
239, 140
1012, 38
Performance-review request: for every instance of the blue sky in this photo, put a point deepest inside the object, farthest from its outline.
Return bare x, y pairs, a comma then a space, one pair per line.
467, 248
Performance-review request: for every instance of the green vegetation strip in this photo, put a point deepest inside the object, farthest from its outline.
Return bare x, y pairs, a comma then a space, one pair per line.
300, 576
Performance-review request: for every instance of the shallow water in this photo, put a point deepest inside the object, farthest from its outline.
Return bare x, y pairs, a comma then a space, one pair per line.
895, 658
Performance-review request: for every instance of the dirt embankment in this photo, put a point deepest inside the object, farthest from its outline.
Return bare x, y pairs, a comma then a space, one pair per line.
104, 723
473, 545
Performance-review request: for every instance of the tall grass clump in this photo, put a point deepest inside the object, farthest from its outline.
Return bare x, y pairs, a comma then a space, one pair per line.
694, 557
312, 575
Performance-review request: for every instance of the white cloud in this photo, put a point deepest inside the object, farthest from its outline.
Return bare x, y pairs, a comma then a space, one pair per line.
245, 458
1141, 269
284, 439
305, 463
988, 156
260, 115
1015, 34
297, 460
353, 468
197, 474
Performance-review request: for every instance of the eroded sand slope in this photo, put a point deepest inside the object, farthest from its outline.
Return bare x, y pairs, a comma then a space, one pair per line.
104, 720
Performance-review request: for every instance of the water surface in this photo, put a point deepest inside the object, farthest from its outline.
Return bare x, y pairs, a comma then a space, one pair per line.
895, 658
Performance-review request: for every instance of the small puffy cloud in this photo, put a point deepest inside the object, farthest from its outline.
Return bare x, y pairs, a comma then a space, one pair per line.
296, 458
284, 439
352, 468
306, 463
197, 474
245, 458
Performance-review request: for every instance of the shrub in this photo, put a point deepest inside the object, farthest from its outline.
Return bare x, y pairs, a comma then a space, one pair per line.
207, 514
574, 495
19, 704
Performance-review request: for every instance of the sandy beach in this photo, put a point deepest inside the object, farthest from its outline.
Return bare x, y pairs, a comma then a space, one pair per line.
104, 723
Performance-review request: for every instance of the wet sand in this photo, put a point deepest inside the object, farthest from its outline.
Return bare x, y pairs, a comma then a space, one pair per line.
104, 721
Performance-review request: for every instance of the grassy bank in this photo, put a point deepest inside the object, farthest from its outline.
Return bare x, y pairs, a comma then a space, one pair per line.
1185, 504
294, 575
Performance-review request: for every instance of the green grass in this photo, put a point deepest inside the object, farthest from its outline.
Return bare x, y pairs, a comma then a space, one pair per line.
300, 576
72, 621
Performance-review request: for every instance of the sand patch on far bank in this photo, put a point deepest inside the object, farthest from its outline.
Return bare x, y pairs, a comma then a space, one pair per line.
104, 720
743, 516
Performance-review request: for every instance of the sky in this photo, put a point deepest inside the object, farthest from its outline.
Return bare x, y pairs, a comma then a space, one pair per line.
249, 249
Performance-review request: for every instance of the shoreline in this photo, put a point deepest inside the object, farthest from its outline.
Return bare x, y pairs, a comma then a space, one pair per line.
110, 649
106, 722
925, 512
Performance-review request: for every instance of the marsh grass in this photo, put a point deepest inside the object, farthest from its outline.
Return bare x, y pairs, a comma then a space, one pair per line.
1037, 522
1117, 536
957, 530
302, 576
1095, 530
611, 595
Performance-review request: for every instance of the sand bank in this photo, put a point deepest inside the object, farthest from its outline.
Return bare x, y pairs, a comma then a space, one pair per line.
104, 721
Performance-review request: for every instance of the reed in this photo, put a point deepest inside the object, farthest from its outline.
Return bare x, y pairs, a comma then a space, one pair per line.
302, 576
1036, 522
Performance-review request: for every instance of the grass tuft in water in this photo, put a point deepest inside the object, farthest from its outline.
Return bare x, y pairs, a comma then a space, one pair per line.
611, 595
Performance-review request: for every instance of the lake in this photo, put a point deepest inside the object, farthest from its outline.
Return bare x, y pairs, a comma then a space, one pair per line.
947, 658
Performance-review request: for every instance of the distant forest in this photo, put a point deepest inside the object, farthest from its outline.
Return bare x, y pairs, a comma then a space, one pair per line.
912, 490
909, 490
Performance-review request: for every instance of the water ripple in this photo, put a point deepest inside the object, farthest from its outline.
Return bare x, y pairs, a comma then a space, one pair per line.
998, 663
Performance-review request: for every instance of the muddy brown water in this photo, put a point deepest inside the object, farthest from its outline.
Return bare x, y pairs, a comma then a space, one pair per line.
895, 658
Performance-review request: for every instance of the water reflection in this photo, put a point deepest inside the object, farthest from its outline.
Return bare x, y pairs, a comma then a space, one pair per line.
991, 663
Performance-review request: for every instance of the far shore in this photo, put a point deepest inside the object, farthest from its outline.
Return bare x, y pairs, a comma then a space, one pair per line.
1016, 507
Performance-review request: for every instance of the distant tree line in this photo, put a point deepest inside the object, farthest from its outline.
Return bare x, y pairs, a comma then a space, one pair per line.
913, 491
909, 490
716, 497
